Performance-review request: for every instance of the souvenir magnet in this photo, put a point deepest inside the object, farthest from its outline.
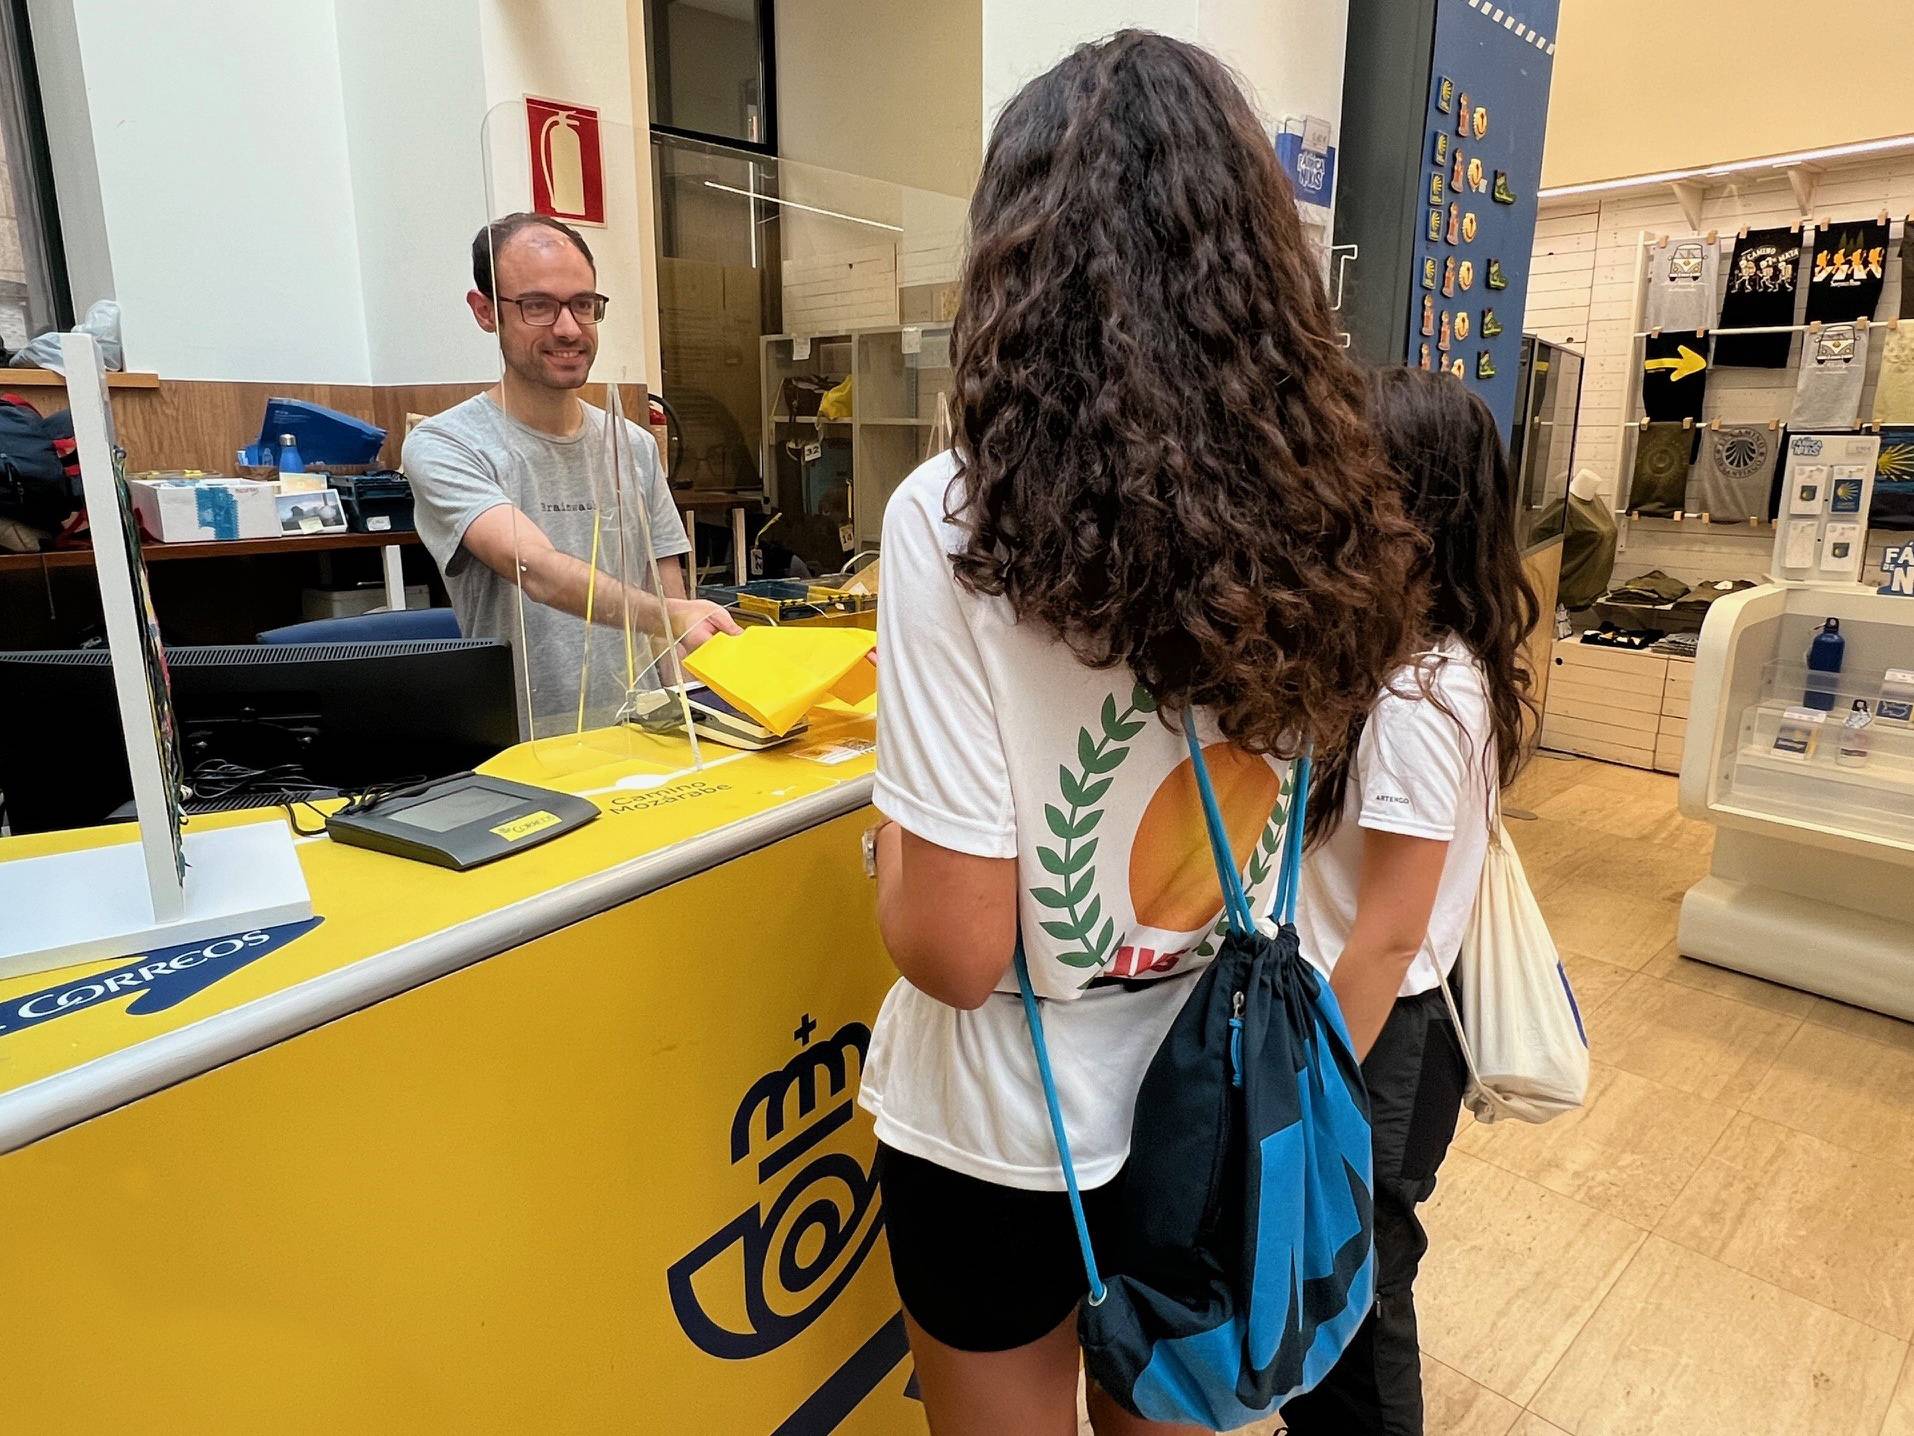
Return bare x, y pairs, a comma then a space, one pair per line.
1455, 222
1462, 114
1429, 273
1467, 277
1445, 94
1460, 369
1491, 326
1442, 339
1485, 365
1455, 174
1428, 314
1468, 227
1425, 356
1435, 226
1461, 324
1497, 280
1503, 194
1436, 194
1440, 154
1478, 181
1448, 278
1479, 121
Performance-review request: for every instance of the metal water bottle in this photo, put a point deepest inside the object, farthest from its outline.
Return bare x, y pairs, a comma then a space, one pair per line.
1824, 666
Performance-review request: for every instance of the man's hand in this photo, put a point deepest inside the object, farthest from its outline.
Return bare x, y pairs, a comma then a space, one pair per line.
698, 621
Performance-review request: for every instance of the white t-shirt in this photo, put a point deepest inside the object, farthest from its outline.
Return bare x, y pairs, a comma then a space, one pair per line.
1421, 772
993, 740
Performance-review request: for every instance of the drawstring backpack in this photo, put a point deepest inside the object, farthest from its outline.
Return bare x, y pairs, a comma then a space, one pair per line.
1242, 1266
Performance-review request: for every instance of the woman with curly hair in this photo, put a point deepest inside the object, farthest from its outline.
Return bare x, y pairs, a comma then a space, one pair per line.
1399, 824
1163, 509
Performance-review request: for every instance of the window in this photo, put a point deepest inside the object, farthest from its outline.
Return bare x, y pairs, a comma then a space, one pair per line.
712, 70
33, 285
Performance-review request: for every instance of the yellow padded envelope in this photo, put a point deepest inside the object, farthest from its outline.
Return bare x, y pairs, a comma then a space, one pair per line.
777, 675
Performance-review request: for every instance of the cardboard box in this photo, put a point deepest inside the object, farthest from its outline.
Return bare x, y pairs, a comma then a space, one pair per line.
205, 510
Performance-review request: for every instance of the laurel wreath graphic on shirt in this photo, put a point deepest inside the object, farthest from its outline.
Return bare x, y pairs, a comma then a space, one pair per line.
1074, 863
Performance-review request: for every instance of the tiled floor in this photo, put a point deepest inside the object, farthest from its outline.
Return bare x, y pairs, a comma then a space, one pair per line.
1722, 1241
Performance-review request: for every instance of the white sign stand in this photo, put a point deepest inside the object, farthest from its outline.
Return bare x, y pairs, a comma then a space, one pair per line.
124, 898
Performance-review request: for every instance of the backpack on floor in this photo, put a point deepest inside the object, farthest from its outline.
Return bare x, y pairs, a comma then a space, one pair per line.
1243, 1260
1519, 1026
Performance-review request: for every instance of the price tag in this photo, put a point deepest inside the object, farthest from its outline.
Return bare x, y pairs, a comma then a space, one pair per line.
800, 348
813, 451
846, 537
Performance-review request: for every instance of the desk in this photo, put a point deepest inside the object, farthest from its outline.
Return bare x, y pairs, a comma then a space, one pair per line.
739, 502
390, 543
565, 1143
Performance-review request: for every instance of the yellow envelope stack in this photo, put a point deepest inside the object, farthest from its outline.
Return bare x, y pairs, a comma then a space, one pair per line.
776, 675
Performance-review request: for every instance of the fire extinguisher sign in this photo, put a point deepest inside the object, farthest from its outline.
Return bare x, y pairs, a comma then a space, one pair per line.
568, 163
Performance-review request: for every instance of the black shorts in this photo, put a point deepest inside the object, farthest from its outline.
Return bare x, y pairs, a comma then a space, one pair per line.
982, 1267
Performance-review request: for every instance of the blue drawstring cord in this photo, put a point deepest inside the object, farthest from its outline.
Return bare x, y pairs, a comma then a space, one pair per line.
1241, 920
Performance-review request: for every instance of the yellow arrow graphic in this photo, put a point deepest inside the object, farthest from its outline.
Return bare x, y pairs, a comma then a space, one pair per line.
1685, 363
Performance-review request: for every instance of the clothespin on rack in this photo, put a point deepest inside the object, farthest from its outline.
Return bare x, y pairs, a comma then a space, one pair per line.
1708, 518
1794, 228
1713, 236
1861, 322
1814, 326
1661, 242
1687, 423
1774, 426
1895, 324
1644, 423
1655, 333
1714, 426
1827, 222
1881, 218
1742, 233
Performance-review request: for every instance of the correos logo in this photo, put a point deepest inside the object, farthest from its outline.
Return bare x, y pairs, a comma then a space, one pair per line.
49, 1003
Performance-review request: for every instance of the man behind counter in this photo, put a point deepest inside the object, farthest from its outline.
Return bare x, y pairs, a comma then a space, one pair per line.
503, 483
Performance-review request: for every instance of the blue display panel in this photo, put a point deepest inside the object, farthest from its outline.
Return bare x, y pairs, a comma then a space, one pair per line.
1486, 117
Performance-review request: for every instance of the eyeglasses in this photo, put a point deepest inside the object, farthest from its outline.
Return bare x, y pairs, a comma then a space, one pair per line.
541, 310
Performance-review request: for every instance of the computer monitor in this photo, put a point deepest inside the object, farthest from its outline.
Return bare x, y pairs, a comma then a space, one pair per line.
343, 715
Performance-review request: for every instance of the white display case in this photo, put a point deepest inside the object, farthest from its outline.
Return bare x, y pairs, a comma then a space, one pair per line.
1812, 882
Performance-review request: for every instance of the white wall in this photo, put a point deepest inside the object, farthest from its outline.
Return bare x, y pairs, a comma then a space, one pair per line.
1022, 40
288, 190
1288, 52
225, 185
412, 132
584, 53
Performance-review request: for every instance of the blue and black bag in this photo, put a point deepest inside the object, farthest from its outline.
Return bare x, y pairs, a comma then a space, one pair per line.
1243, 1261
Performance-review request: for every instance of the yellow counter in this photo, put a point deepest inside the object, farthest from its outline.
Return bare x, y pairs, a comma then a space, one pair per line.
566, 1143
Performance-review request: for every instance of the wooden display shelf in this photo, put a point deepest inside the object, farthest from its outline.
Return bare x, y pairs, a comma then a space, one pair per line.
49, 379
232, 548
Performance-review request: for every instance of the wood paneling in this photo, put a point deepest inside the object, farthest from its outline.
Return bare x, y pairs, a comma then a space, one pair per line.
198, 424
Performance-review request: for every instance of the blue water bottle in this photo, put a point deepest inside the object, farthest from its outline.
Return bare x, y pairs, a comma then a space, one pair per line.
1824, 664
289, 460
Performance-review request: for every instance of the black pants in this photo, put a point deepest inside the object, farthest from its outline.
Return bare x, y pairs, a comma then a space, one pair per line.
1416, 1079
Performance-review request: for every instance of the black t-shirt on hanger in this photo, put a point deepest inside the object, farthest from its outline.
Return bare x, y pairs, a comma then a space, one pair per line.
1761, 291
1850, 268
1674, 375
1907, 269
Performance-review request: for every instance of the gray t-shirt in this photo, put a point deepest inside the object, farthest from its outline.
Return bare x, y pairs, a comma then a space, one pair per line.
1827, 386
1684, 276
474, 457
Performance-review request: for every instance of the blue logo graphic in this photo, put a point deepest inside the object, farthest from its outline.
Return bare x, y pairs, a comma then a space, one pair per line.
160, 979
1897, 567
768, 1273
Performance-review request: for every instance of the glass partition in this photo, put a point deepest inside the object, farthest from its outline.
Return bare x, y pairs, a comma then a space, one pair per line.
600, 622
804, 319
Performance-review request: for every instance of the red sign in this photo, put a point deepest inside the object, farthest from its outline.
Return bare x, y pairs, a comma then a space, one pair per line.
568, 164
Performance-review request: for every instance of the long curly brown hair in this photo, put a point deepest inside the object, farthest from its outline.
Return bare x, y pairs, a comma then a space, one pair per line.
1161, 448
1447, 451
